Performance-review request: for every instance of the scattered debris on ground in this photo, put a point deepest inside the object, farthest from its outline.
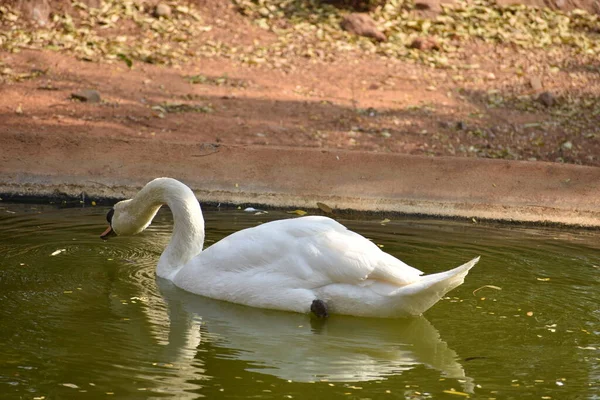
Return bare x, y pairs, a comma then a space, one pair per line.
467, 79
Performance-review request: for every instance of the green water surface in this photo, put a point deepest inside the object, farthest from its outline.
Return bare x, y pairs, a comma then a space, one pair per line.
81, 318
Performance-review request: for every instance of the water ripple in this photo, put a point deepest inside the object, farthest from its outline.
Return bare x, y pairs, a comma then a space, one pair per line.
80, 314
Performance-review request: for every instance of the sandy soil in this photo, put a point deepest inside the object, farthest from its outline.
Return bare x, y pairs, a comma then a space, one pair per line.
352, 102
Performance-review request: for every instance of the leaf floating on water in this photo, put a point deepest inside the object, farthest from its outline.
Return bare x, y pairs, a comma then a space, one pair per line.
486, 286
70, 385
530, 313
57, 252
543, 279
385, 221
162, 364
297, 212
324, 207
457, 393
256, 211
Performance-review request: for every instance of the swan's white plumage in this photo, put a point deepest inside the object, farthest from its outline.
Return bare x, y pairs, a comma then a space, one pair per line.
286, 264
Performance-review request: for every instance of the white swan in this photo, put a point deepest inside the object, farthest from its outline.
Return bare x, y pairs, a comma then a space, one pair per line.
303, 264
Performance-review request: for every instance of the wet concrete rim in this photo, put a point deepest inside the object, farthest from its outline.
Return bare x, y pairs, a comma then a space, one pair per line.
530, 192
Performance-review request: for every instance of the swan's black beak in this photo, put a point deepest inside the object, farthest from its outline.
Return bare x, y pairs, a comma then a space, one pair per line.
108, 233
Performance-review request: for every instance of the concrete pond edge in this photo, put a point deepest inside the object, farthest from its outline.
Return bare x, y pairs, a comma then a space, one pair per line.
528, 192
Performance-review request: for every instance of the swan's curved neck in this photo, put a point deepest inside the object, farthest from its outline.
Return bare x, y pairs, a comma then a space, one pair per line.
188, 228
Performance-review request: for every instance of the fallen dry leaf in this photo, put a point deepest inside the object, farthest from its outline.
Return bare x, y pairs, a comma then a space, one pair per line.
486, 286
297, 212
324, 207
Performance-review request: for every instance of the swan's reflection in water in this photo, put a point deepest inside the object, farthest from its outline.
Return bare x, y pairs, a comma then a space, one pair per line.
298, 348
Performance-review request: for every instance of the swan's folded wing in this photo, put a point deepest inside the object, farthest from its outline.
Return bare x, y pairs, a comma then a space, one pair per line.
317, 250
353, 259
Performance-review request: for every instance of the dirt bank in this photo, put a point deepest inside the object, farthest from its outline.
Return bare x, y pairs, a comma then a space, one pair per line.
297, 106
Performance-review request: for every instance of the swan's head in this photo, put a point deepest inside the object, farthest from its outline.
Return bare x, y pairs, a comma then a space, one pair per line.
124, 219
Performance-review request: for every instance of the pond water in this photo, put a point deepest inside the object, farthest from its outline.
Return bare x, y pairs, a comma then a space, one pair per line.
83, 318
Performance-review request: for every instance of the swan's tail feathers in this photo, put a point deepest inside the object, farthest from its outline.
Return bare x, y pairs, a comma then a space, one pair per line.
431, 288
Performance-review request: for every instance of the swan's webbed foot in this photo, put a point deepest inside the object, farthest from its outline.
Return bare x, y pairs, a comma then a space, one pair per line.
319, 308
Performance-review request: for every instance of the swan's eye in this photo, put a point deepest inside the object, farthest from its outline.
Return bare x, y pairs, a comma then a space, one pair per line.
109, 215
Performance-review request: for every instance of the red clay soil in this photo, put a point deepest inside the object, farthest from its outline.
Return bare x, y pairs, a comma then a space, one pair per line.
363, 106
360, 103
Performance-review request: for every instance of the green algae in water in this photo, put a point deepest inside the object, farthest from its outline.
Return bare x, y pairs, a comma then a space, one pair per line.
83, 318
